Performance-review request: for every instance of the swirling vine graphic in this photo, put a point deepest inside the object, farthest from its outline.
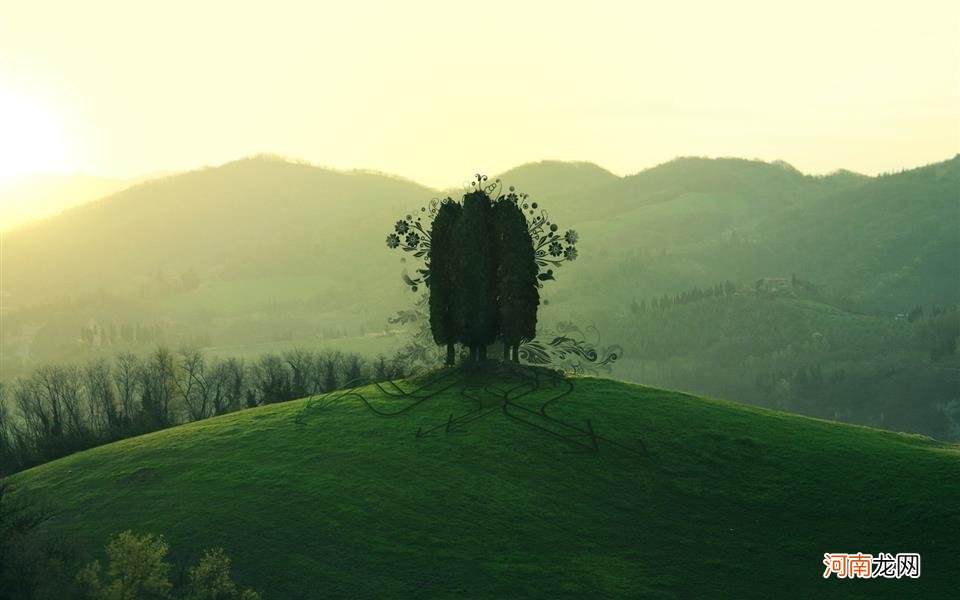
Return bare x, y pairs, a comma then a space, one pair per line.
411, 234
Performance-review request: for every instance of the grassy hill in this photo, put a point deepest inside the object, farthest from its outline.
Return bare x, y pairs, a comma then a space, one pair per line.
334, 501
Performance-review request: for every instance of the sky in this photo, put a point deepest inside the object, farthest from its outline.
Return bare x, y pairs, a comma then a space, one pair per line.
436, 91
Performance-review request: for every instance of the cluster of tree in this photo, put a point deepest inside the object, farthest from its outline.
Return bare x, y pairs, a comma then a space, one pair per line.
802, 356
138, 568
794, 286
696, 294
483, 276
938, 330
40, 564
126, 333
58, 410
483, 268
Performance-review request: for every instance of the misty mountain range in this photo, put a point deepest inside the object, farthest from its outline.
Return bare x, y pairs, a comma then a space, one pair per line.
884, 242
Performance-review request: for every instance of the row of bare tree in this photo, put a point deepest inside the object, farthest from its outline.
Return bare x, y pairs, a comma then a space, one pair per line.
61, 409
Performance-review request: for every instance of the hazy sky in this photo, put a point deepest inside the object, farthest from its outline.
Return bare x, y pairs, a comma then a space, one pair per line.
436, 91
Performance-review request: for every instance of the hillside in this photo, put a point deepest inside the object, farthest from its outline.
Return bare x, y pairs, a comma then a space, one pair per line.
337, 502
789, 352
29, 197
239, 220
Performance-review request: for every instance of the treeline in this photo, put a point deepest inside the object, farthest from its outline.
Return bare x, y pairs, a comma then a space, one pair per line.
769, 286
59, 409
727, 288
790, 353
125, 333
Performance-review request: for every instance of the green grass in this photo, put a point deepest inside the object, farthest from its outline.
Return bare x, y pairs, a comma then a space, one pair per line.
732, 501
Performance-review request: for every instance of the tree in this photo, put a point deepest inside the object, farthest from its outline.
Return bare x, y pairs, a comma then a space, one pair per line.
210, 579
137, 569
442, 257
102, 400
461, 269
125, 380
475, 275
158, 384
192, 383
517, 293
32, 561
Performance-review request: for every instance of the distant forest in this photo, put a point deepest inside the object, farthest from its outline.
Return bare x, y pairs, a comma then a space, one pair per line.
61, 409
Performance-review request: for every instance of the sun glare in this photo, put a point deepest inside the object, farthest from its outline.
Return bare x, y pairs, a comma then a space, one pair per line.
31, 136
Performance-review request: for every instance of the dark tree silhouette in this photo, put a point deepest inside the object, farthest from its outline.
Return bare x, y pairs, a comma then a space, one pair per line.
517, 287
483, 278
442, 258
475, 275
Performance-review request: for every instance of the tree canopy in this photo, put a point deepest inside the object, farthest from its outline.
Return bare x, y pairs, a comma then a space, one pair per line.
485, 259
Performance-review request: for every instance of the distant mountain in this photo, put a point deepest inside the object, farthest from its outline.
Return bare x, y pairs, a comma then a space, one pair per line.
551, 177
251, 217
880, 244
261, 249
26, 198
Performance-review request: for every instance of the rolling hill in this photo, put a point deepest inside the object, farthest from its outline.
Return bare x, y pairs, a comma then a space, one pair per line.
893, 236
327, 499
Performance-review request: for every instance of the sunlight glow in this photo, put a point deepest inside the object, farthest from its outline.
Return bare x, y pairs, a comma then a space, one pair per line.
31, 136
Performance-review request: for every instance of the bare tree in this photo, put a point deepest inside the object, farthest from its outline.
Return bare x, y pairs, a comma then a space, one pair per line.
234, 373
353, 369
270, 381
193, 385
300, 362
157, 378
329, 365
102, 400
126, 382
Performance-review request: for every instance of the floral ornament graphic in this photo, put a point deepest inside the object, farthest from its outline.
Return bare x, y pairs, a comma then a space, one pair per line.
552, 249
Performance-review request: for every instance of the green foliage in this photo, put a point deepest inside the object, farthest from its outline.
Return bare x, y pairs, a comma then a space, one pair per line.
443, 256
517, 292
476, 292
792, 353
137, 570
313, 509
210, 579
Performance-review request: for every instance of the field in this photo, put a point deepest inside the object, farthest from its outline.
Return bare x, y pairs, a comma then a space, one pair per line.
327, 499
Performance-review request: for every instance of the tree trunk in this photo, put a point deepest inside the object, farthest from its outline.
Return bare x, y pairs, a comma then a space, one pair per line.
506, 352
473, 354
516, 353
451, 354
483, 352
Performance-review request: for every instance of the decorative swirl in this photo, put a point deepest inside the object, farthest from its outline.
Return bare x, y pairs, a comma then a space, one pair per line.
569, 348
